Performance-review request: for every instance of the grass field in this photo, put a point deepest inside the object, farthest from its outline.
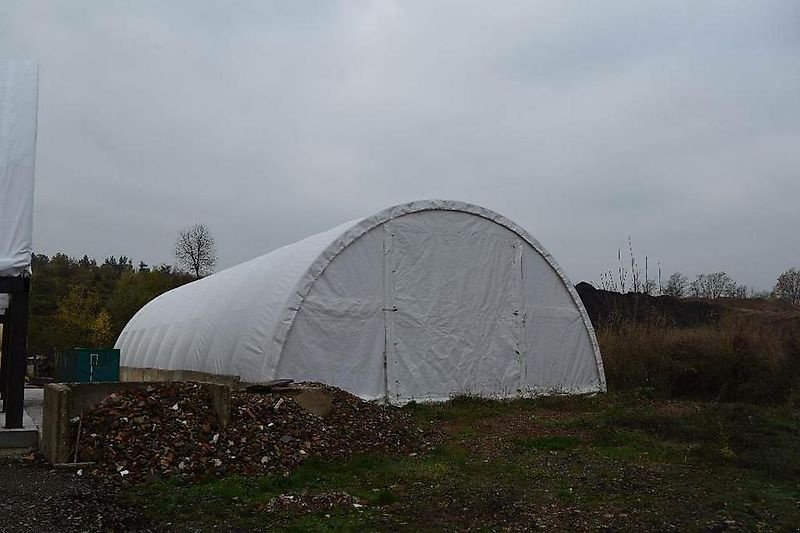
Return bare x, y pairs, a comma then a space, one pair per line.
617, 462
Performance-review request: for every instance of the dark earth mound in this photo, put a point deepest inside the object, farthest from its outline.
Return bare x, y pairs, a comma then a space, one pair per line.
608, 308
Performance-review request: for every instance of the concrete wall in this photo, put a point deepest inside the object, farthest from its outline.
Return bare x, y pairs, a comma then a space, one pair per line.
127, 373
64, 401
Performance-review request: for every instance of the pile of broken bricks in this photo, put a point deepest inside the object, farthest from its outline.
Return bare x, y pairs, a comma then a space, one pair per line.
170, 430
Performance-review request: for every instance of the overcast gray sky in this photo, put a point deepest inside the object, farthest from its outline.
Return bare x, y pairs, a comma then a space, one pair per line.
677, 123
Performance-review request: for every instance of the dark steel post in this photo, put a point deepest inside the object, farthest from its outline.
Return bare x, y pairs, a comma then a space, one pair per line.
17, 356
4, 358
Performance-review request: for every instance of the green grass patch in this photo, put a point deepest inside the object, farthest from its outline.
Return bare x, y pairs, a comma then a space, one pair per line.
685, 464
371, 478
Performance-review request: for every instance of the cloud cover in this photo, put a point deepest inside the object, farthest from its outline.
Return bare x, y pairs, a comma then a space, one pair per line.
675, 123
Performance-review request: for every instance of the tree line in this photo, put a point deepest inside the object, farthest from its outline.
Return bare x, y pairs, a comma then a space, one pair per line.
627, 277
78, 302
712, 285
721, 285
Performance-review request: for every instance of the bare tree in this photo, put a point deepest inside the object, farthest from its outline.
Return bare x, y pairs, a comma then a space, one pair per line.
607, 282
195, 250
650, 287
716, 285
788, 286
677, 285
739, 291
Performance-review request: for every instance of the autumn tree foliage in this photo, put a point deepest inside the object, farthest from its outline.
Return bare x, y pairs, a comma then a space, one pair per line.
78, 302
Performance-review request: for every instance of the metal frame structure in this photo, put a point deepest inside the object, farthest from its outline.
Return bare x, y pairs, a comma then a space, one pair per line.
14, 348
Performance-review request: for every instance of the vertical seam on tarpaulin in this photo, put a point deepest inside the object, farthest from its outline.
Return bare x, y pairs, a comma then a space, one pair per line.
367, 224
522, 346
33, 161
387, 299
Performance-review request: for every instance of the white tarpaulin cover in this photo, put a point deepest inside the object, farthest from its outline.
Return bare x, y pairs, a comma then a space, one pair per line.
422, 301
18, 102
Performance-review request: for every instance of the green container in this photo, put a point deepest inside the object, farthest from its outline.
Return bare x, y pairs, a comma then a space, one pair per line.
86, 365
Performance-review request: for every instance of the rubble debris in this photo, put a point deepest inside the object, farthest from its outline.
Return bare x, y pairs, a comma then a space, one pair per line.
304, 502
170, 430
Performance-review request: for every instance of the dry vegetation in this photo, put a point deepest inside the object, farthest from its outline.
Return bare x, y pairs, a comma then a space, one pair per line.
750, 355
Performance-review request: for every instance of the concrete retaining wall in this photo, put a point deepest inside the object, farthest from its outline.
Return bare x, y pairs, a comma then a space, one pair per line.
127, 373
64, 401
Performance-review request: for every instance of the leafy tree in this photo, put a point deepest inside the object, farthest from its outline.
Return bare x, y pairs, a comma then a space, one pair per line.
100, 330
86, 262
196, 251
134, 289
787, 287
76, 302
76, 316
677, 285
122, 264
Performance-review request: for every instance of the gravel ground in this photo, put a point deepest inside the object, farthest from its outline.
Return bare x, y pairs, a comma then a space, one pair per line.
37, 498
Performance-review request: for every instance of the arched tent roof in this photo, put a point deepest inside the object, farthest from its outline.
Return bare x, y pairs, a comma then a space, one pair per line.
239, 321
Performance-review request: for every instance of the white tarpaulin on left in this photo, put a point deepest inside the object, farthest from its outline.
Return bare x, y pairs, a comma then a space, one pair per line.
18, 104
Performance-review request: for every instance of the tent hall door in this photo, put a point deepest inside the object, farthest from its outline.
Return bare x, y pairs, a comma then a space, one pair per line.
453, 307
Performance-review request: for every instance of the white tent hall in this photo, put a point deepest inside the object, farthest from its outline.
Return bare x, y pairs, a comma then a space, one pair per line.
421, 301
19, 94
